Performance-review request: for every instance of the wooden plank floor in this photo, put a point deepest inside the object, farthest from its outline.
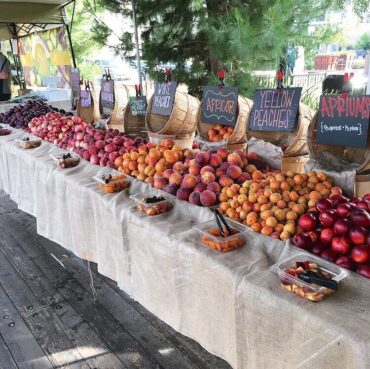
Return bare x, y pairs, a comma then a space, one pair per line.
50, 318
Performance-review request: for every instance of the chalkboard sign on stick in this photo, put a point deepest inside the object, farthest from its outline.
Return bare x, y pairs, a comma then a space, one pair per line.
85, 97
137, 105
163, 98
219, 106
275, 110
107, 94
343, 121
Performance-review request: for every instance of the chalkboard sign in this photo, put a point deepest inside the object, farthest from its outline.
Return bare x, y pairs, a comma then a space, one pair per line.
85, 99
137, 105
343, 121
275, 110
75, 86
107, 94
163, 98
219, 106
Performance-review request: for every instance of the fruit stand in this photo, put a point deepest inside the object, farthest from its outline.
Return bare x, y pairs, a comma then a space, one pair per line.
227, 302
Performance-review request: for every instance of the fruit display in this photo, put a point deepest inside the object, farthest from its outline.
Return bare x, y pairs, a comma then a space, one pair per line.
309, 276
219, 133
338, 230
152, 205
27, 143
271, 202
98, 146
66, 160
19, 116
212, 238
112, 184
194, 177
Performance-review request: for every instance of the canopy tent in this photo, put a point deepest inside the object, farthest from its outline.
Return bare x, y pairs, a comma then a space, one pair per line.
19, 18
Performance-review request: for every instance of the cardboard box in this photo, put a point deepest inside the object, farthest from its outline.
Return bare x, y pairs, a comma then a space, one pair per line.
362, 185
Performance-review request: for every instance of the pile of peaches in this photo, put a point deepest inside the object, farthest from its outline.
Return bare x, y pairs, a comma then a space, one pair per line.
194, 177
272, 202
220, 132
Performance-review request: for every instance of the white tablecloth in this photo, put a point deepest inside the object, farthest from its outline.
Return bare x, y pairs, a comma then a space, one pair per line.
230, 303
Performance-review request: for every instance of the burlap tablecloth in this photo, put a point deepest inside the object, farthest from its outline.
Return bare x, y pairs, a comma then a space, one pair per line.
230, 303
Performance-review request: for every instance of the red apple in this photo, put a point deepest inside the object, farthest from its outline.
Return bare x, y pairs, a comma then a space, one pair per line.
314, 235
318, 247
358, 235
338, 199
364, 270
344, 210
302, 240
326, 236
363, 204
328, 218
329, 255
307, 221
366, 197
360, 217
360, 254
324, 205
345, 262
354, 200
341, 245
341, 227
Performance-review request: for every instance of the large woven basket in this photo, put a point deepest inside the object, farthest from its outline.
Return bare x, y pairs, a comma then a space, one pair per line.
238, 136
183, 118
293, 143
353, 155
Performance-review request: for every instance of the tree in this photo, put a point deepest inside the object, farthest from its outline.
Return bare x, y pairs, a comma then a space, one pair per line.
363, 42
239, 36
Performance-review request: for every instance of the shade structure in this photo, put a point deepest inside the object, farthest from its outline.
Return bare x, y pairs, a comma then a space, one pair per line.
19, 18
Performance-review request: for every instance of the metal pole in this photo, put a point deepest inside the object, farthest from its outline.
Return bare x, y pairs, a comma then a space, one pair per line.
69, 38
137, 43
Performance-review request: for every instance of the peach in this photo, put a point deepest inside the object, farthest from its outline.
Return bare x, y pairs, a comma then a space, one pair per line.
215, 160
208, 198
179, 167
183, 193
244, 176
207, 168
175, 179
160, 182
234, 159
251, 155
224, 166
189, 181
223, 153
132, 165
171, 156
167, 143
214, 187
225, 181
202, 158
155, 154
234, 171
194, 169
160, 167
167, 173
208, 177
149, 180
200, 187
194, 198
171, 189
219, 172
275, 235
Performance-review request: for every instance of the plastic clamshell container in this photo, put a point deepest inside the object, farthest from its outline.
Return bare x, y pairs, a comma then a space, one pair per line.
70, 162
116, 184
154, 208
222, 244
337, 273
29, 144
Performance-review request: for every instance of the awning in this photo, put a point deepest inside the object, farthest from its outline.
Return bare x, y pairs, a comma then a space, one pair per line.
20, 17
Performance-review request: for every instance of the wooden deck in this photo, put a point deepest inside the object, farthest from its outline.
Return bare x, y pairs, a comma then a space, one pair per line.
50, 319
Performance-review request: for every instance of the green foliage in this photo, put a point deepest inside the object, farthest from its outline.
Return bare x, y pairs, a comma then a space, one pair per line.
364, 42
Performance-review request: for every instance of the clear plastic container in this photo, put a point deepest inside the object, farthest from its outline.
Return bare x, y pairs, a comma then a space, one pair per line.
209, 235
153, 208
301, 288
114, 184
64, 161
4, 131
29, 143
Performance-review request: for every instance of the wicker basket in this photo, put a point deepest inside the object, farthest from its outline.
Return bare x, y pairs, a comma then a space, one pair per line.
360, 156
132, 125
184, 141
295, 142
88, 114
182, 120
238, 136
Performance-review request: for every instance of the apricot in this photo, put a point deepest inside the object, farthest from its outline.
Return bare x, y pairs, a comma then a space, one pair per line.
336, 190
290, 173
281, 204
257, 174
254, 187
267, 193
290, 228
299, 209
252, 197
242, 199
314, 195
225, 181
293, 196
247, 206
275, 198
265, 207
266, 214
280, 177
284, 236
251, 220
280, 215
298, 179
271, 222
322, 176
223, 197
256, 227
291, 215
266, 230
